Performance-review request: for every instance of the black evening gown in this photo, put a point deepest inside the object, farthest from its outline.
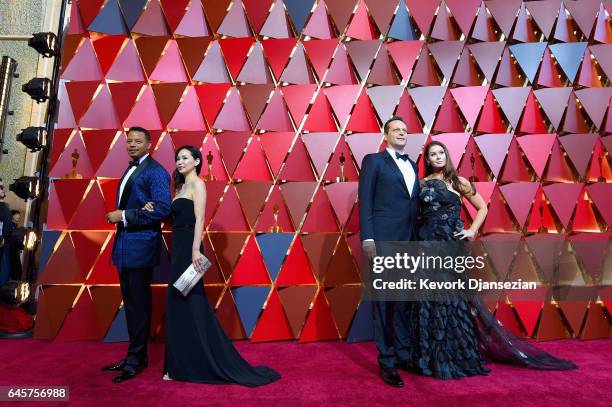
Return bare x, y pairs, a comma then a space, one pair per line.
197, 349
452, 339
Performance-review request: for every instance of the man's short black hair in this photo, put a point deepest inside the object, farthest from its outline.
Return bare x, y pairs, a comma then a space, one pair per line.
15, 212
392, 119
142, 130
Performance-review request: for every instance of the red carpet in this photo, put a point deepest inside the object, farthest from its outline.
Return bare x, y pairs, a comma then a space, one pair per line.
328, 373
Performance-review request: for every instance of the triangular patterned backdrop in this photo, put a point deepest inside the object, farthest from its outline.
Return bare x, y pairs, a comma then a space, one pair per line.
278, 93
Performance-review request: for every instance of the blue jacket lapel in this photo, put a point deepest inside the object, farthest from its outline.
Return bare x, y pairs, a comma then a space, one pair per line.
130, 182
415, 186
395, 169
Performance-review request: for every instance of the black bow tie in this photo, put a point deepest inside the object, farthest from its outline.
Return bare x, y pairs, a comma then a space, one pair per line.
134, 163
402, 156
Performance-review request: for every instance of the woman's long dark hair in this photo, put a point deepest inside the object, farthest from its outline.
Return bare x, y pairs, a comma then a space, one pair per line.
449, 172
177, 177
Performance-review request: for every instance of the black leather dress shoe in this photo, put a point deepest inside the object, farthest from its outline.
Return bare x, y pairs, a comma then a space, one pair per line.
129, 372
114, 367
392, 378
126, 375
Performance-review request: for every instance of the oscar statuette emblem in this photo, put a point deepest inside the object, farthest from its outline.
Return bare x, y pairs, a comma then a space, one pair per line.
341, 178
73, 174
276, 228
542, 228
473, 177
209, 175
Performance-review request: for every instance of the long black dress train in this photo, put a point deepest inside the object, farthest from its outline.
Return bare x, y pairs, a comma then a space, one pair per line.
450, 339
197, 349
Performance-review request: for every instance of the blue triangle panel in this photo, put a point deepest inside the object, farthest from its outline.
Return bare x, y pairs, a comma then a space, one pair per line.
118, 331
249, 302
402, 29
529, 56
273, 247
131, 10
569, 57
109, 20
362, 328
49, 239
299, 10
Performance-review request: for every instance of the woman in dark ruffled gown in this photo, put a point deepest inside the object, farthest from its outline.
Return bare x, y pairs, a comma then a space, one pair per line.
197, 349
451, 338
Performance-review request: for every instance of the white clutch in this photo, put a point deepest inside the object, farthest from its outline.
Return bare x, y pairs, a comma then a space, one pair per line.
190, 277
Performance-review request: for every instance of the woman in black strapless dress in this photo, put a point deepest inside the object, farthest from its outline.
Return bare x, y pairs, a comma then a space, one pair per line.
197, 349
450, 339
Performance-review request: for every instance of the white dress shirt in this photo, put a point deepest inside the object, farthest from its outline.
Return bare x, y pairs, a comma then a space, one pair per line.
406, 169
124, 181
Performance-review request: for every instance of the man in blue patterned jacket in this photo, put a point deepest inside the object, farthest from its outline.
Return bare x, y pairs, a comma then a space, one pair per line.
137, 245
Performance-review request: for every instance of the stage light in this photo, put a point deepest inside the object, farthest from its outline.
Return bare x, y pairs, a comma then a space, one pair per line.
34, 138
22, 292
45, 44
14, 292
30, 239
26, 187
39, 89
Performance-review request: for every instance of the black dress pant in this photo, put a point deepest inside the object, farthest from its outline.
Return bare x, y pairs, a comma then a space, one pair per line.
136, 292
391, 335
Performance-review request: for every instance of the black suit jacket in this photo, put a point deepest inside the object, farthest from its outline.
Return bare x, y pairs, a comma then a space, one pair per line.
387, 212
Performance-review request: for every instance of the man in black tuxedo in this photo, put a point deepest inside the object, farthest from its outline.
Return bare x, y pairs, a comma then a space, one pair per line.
137, 246
388, 211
